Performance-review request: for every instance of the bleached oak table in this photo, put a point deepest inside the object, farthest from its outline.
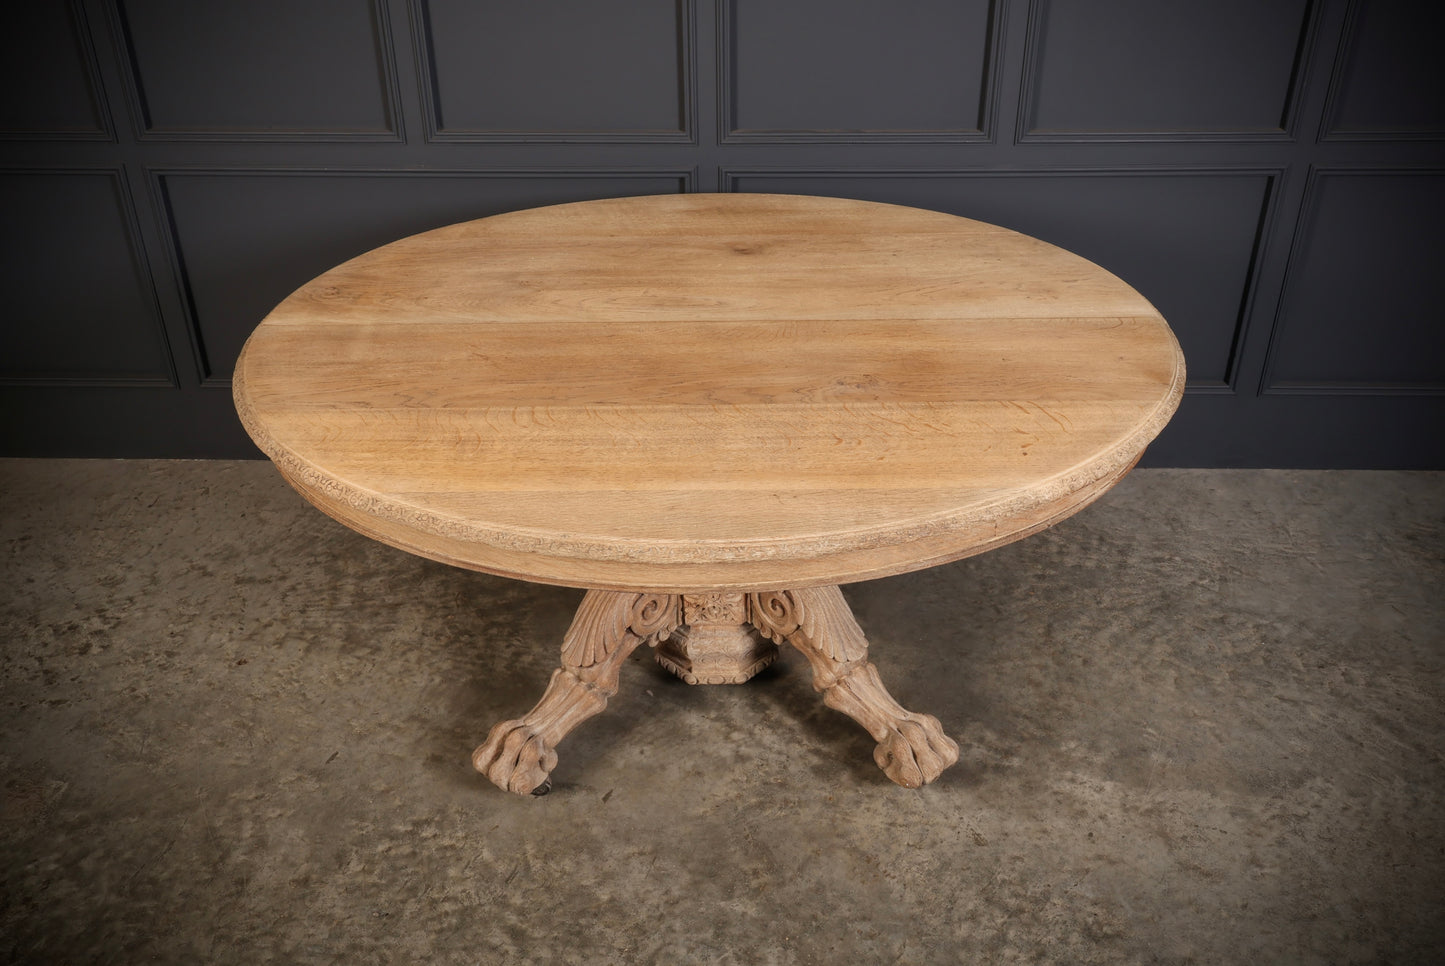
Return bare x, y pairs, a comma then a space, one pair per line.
709, 410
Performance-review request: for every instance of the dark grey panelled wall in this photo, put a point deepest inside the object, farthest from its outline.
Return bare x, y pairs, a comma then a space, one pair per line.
1271, 173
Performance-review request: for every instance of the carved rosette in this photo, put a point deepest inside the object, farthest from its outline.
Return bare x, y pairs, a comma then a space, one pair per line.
718, 608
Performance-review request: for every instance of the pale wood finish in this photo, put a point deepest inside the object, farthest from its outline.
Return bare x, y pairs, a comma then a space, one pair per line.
716, 645
709, 396
706, 392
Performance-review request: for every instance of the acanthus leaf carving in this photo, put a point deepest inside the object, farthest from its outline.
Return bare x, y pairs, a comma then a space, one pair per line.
605, 618
819, 615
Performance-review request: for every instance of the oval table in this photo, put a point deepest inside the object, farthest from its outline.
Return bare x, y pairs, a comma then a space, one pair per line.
709, 410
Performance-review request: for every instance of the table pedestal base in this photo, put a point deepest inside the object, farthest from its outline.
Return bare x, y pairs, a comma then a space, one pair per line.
714, 638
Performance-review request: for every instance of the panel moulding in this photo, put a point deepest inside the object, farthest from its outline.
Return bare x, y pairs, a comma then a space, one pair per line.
687, 81
1289, 110
1299, 249
984, 122
1329, 129
167, 377
145, 131
80, 26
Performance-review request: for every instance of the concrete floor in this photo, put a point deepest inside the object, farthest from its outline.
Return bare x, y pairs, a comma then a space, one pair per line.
1202, 722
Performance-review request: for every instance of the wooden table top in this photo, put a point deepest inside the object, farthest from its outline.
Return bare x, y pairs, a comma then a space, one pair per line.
708, 391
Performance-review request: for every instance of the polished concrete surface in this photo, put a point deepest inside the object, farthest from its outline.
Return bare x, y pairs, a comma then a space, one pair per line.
1202, 722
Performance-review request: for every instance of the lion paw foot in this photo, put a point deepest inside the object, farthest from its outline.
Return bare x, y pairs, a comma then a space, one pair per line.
916, 751
516, 759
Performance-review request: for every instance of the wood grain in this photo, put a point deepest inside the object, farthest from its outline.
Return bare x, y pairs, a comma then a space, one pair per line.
699, 392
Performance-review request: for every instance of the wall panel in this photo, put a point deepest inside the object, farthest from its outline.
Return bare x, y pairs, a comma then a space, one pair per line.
47, 66
1162, 69
256, 69
504, 71
80, 307
1388, 81
825, 69
1361, 310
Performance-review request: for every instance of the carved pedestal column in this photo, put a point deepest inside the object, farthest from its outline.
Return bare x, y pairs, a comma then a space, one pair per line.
716, 645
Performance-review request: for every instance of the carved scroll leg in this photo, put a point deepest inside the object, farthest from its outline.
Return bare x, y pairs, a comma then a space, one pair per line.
912, 748
519, 755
